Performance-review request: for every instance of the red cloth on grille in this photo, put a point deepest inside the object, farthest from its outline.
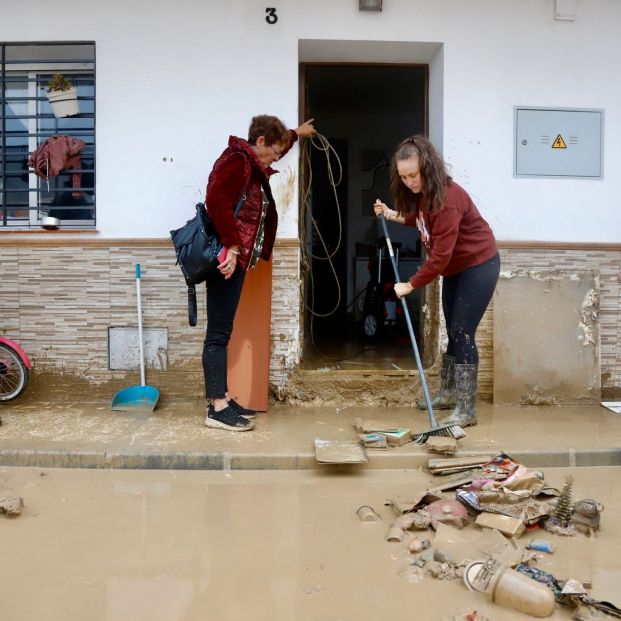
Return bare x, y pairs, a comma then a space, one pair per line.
58, 153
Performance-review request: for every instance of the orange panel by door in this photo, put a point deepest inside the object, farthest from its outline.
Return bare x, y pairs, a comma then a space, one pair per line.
249, 347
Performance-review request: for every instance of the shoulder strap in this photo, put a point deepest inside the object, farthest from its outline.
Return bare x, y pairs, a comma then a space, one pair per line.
247, 176
192, 313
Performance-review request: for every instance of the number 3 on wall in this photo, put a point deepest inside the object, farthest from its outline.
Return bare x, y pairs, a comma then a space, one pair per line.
271, 17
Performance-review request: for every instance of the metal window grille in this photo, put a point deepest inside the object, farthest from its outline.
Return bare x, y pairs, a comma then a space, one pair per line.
27, 120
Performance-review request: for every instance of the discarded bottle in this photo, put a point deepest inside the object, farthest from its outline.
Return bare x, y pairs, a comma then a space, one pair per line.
367, 514
510, 588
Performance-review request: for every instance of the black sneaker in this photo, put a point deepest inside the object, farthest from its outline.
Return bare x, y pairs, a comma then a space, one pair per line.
228, 418
241, 410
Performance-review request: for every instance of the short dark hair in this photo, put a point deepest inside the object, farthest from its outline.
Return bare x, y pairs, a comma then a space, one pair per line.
271, 127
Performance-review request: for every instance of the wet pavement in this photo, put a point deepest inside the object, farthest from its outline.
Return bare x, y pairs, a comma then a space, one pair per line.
120, 545
83, 434
174, 521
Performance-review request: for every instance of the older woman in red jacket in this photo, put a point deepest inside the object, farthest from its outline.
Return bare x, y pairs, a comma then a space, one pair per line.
461, 248
240, 176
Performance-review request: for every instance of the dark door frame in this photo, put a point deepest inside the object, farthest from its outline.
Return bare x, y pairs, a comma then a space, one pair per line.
303, 114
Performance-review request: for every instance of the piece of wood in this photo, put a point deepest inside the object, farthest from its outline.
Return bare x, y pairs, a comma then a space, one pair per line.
512, 527
249, 347
455, 462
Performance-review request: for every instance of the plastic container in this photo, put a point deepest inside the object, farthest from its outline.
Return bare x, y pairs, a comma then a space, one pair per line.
367, 514
509, 588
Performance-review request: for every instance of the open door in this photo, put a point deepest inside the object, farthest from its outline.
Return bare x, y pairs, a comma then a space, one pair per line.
351, 313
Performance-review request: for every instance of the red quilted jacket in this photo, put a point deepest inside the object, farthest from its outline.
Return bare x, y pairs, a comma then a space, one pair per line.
58, 153
237, 168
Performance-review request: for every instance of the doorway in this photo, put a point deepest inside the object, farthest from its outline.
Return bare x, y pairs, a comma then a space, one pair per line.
352, 319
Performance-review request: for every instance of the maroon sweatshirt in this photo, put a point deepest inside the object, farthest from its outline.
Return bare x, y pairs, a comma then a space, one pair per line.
455, 238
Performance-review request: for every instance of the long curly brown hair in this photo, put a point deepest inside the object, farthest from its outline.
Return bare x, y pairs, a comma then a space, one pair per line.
433, 173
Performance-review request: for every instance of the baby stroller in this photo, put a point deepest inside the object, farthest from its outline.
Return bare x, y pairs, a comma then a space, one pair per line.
14, 369
380, 309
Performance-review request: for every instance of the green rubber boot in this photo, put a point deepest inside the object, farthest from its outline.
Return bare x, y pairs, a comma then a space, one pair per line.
465, 414
445, 400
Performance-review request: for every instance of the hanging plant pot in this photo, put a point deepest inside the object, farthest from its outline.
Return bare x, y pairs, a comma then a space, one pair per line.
64, 103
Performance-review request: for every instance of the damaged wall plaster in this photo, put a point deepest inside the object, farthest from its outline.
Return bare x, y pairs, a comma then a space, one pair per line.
284, 190
546, 337
589, 313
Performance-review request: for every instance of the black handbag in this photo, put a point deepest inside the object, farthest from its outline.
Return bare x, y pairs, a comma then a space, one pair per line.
198, 248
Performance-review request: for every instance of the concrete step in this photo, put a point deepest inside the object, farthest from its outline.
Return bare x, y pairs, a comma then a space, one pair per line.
331, 387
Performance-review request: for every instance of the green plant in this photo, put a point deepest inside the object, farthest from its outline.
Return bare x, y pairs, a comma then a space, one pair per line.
58, 83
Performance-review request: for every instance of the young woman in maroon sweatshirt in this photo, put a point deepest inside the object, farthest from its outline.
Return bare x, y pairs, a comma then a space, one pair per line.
240, 176
461, 248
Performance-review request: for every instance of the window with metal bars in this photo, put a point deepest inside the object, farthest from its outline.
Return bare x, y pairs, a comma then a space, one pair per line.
61, 194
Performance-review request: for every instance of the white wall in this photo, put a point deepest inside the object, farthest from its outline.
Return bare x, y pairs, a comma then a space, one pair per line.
190, 74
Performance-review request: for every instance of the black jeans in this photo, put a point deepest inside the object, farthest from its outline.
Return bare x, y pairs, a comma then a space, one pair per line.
465, 297
222, 301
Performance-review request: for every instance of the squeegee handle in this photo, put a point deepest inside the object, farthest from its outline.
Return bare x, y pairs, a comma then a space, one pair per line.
140, 342
408, 320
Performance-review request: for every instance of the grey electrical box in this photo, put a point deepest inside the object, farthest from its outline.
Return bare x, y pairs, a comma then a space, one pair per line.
124, 348
558, 142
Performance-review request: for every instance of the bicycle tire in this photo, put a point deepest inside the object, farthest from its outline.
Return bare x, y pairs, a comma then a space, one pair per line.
13, 374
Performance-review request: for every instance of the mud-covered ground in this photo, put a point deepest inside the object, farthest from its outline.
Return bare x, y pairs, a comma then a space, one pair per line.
120, 545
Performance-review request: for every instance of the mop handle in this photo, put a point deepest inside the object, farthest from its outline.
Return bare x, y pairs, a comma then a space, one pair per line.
142, 378
408, 320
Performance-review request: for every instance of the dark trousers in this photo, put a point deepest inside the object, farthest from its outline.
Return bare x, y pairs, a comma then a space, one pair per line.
222, 301
465, 296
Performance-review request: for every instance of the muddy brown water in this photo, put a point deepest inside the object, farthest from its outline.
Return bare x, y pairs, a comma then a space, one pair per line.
114, 545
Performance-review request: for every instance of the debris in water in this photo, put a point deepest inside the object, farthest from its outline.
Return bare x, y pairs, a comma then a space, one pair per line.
418, 545
368, 514
11, 506
441, 444
540, 545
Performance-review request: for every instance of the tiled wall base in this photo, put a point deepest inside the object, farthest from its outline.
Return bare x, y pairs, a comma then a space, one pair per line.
58, 301
59, 298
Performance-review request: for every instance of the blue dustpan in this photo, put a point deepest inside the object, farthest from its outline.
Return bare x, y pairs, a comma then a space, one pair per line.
141, 398
137, 398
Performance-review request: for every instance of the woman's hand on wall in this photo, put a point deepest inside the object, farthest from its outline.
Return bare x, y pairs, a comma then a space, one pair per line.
306, 129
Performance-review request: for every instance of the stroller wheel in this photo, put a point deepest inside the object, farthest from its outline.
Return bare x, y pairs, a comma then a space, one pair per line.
13, 374
370, 326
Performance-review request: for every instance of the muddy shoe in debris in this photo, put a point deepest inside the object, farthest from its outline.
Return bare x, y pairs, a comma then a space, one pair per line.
227, 418
465, 414
586, 515
445, 400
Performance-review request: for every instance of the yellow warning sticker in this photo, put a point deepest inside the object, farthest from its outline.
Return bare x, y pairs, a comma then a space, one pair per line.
559, 143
